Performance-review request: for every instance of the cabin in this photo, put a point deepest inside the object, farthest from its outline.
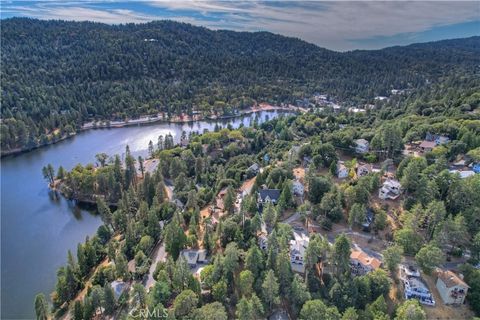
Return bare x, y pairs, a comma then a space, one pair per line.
193, 256
451, 287
361, 146
390, 189
268, 195
361, 263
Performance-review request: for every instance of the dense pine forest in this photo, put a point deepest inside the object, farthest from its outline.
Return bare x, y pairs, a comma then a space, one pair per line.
56, 75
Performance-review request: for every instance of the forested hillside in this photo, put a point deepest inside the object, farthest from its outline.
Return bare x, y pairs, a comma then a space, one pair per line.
56, 75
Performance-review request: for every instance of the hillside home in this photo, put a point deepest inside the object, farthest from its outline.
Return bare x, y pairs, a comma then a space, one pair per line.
463, 174
342, 170
451, 287
268, 195
361, 146
361, 263
414, 287
390, 189
439, 140
427, 146
194, 256
253, 170
298, 188
298, 246
364, 169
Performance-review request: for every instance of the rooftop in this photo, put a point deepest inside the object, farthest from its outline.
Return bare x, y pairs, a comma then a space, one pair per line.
450, 278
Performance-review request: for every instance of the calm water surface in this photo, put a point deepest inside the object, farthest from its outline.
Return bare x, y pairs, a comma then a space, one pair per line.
37, 228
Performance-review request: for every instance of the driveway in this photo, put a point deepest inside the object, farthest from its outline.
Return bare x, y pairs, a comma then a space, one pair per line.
159, 254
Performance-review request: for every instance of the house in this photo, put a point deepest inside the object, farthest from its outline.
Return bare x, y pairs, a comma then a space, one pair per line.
463, 174
298, 246
253, 170
364, 169
361, 146
439, 140
367, 223
361, 263
298, 188
342, 170
118, 288
178, 203
194, 256
427, 146
390, 189
414, 287
268, 195
451, 287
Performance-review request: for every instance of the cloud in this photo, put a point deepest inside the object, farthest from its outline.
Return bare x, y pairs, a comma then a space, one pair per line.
339, 25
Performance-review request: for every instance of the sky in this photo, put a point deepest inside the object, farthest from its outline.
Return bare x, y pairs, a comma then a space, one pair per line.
335, 25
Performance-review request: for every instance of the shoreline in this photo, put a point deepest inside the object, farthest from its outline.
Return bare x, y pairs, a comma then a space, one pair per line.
140, 122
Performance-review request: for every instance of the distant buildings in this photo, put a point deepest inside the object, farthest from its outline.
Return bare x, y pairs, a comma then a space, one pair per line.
361, 263
390, 189
361, 146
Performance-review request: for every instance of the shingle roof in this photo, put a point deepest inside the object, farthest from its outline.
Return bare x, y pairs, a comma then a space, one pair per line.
451, 279
273, 194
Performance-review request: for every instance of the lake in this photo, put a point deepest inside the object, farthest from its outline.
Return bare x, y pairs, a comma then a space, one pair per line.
37, 229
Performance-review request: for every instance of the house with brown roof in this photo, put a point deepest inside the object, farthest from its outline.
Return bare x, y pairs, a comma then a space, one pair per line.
451, 287
427, 146
362, 263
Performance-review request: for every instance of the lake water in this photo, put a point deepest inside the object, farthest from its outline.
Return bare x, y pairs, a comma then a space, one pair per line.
37, 229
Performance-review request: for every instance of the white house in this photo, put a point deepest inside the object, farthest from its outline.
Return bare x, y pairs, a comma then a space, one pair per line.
361, 146
390, 189
342, 170
298, 246
414, 287
451, 287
